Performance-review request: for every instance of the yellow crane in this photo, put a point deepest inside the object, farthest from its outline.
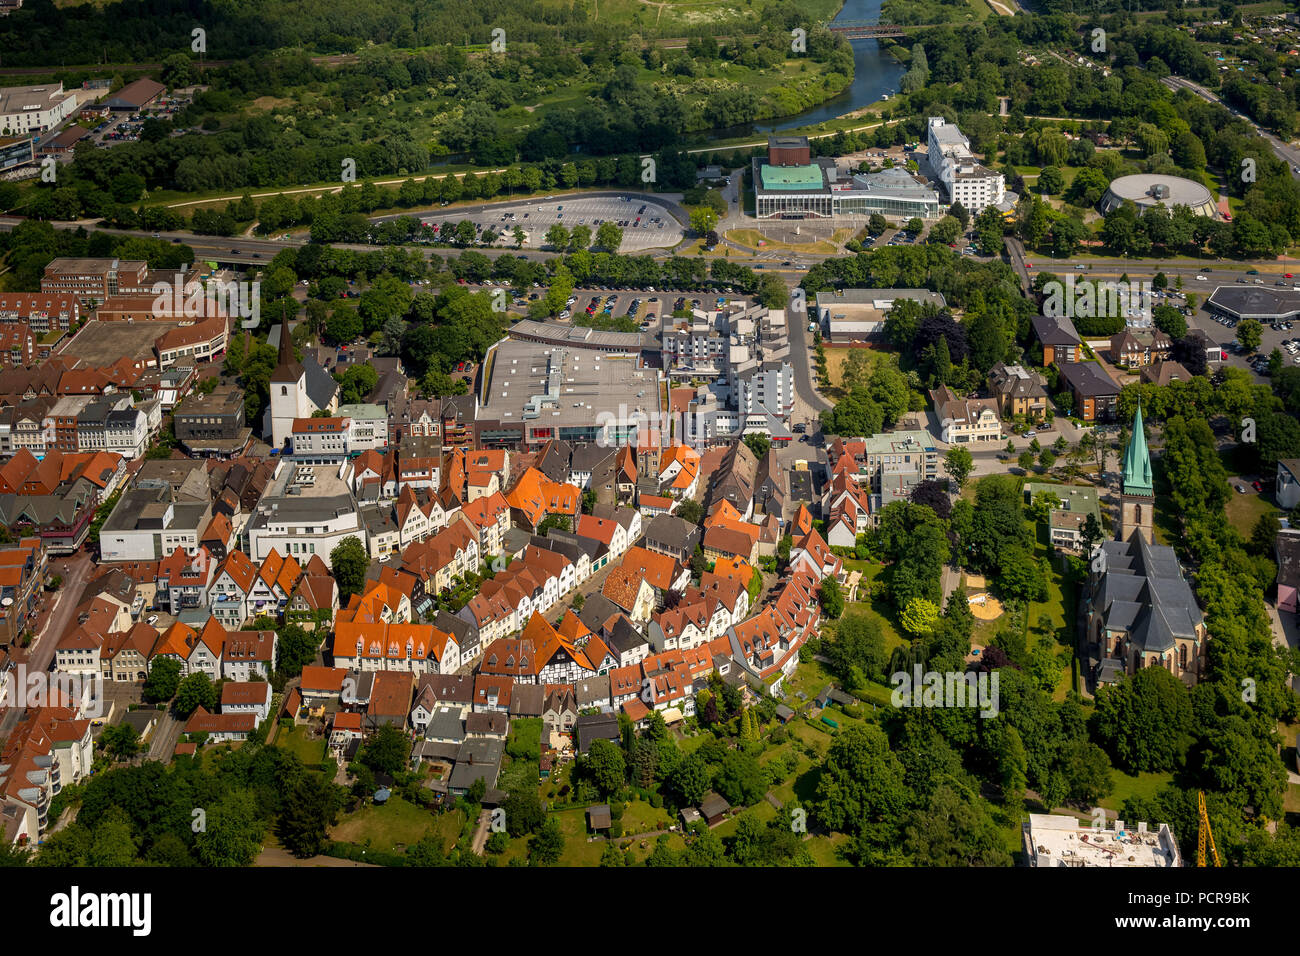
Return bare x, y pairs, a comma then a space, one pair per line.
1204, 834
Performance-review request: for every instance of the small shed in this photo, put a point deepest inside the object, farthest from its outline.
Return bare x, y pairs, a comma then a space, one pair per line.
598, 817
690, 815
714, 809
784, 713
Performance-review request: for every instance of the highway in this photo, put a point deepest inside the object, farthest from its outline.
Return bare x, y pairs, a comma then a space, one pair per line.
1284, 151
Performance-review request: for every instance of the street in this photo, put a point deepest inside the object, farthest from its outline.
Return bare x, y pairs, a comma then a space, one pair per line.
76, 571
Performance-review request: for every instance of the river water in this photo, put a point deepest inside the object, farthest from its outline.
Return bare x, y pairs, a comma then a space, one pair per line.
875, 73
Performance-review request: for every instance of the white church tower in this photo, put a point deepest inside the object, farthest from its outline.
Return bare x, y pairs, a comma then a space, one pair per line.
288, 392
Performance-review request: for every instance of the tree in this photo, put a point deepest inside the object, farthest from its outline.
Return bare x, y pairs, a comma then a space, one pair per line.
1091, 532
1026, 460
609, 236
690, 510
310, 809
689, 781
163, 680
1250, 333
915, 225
861, 785
557, 237
958, 463
1145, 722
605, 767
120, 741
524, 812
919, 617
831, 598
349, 562
233, 834
195, 691
387, 750
759, 444
545, 848
740, 779
703, 220
1051, 181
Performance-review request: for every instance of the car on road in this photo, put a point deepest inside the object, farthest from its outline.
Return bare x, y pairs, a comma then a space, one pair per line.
1080, 267
1029, 265
1288, 276
1252, 272
1202, 279
152, 620
234, 252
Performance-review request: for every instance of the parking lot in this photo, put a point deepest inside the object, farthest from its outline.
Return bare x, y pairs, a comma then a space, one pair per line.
645, 224
645, 308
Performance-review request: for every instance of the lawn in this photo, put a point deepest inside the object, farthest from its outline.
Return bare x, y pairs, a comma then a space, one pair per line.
640, 817
295, 740
395, 823
577, 851
1244, 510
836, 356
1144, 785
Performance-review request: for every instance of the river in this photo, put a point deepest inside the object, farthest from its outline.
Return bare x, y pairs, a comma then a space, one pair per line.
874, 74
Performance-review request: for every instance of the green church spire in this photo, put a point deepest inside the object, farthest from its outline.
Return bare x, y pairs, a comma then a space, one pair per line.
1136, 478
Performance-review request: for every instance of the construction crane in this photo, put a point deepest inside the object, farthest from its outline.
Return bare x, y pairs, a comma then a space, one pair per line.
1204, 834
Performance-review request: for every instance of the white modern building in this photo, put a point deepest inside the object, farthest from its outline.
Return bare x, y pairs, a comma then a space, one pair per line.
308, 509
964, 178
33, 109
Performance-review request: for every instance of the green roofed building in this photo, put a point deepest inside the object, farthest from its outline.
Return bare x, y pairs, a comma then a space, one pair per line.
791, 185
792, 177
1137, 494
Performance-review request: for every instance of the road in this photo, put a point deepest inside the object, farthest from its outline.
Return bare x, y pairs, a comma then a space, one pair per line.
76, 571
1284, 151
165, 735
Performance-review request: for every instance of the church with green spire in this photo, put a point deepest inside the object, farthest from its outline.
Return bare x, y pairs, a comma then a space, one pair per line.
1137, 496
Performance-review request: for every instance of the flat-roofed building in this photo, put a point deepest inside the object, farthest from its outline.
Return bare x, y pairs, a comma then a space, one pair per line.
820, 189
212, 425
16, 152
96, 279
33, 109
307, 509
858, 315
965, 179
531, 395
1052, 840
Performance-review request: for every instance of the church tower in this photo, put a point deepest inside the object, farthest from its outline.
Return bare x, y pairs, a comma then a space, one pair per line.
1137, 497
288, 391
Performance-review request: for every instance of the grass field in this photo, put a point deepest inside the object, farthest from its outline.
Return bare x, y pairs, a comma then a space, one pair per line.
1144, 785
1244, 510
294, 739
394, 824
836, 356
752, 238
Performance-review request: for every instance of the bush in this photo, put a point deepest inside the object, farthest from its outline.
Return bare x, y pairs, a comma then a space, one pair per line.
616, 810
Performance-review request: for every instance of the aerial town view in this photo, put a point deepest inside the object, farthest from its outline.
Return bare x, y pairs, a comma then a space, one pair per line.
578, 434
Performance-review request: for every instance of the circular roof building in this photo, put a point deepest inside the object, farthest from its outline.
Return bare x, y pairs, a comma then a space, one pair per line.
1148, 189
